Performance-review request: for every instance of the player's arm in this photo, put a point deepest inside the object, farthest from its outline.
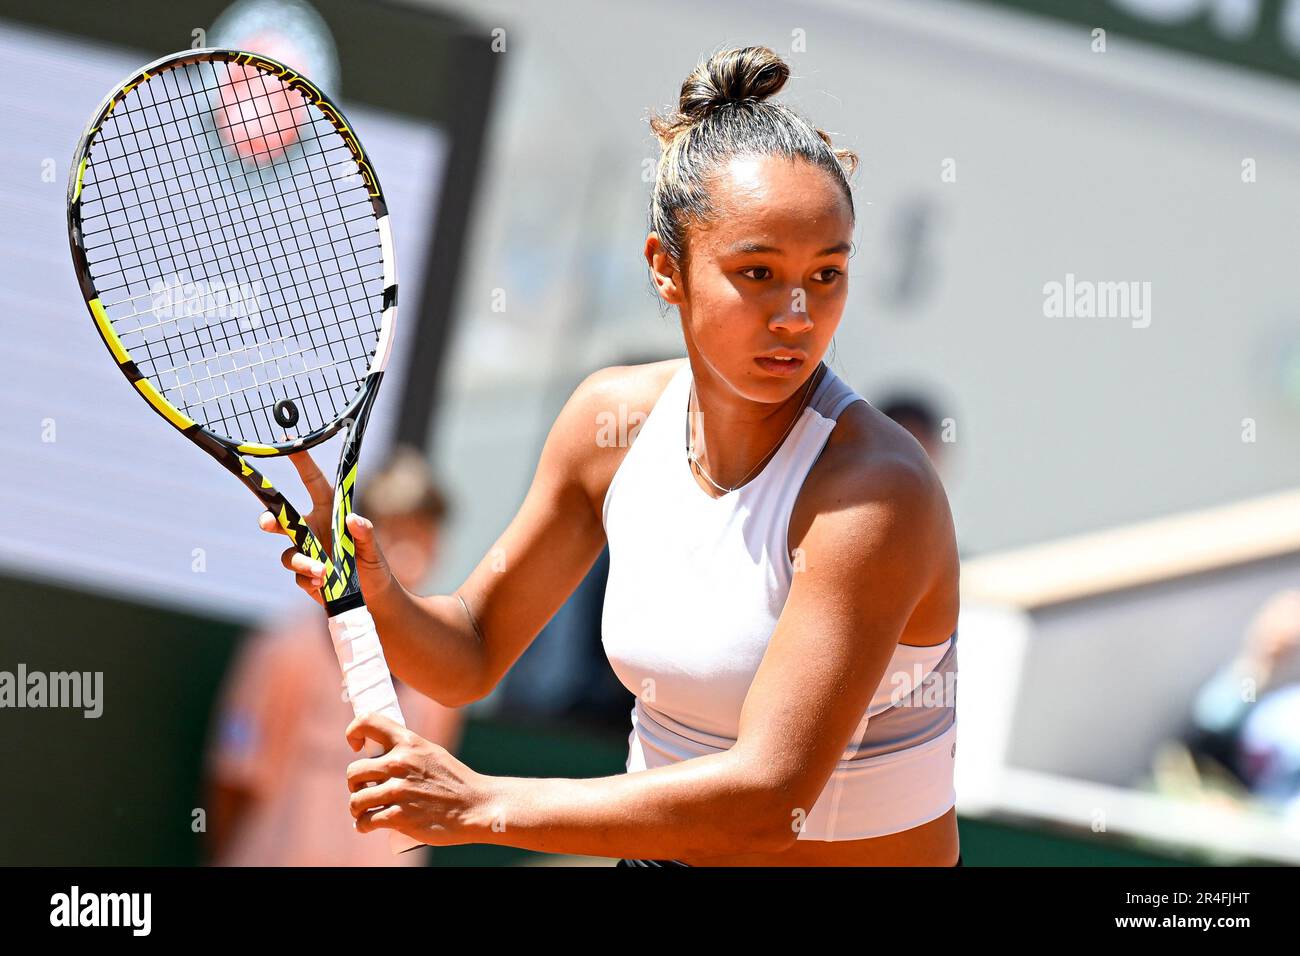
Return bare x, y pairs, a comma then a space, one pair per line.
431, 643
873, 549
880, 541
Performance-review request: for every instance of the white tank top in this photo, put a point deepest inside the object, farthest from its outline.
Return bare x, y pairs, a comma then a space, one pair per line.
696, 585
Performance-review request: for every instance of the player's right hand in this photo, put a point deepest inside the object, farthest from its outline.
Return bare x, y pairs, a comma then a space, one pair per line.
372, 570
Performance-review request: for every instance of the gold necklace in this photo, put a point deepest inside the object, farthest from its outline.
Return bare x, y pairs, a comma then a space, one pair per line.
690, 437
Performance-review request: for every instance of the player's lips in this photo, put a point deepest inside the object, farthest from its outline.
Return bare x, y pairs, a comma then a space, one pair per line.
782, 361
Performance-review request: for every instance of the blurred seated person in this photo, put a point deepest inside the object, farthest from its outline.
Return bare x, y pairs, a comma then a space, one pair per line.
1246, 718
277, 787
1268, 750
919, 417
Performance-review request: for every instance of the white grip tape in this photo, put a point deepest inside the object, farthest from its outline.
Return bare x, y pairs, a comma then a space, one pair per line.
361, 658
367, 680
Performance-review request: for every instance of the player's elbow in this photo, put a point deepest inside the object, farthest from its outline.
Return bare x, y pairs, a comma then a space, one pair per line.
764, 816
486, 679
456, 701
774, 825
450, 694
470, 691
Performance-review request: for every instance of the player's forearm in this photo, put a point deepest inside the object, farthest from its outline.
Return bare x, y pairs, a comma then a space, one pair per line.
430, 644
707, 806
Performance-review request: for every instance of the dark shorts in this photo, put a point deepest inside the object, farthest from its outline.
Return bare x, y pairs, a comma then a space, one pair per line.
664, 863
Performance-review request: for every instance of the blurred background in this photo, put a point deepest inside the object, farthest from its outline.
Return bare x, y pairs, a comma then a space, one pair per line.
1034, 175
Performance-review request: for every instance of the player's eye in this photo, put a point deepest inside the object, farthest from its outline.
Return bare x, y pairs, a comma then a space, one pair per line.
828, 276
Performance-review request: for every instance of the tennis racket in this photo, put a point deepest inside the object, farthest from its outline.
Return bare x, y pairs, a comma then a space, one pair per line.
232, 243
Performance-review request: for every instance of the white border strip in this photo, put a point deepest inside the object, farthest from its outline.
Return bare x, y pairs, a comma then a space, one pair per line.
385, 345
1142, 553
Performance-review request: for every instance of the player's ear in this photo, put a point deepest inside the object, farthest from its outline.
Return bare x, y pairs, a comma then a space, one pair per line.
664, 273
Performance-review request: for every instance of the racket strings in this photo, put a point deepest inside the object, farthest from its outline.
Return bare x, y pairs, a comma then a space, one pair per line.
90, 234
175, 374
225, 331
197, 312
309, 385
274, 355
254, 189
265, 243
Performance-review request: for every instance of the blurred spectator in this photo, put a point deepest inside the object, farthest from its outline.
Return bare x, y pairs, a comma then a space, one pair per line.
916, 413
277, 787
1268, 747
1246, 718
919, 417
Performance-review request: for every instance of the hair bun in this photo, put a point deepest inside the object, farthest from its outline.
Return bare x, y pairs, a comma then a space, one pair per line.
751, 73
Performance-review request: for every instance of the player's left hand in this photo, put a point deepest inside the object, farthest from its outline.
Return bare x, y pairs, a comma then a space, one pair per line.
416, 787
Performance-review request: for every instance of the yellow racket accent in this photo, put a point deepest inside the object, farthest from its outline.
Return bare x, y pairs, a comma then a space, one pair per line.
146, 387
106, 328
157, 401
81, 171
336, 577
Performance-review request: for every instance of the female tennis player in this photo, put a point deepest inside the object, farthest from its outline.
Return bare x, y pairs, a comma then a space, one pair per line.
782, 597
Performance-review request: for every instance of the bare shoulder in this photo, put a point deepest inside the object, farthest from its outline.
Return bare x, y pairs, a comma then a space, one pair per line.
638, 386
869, 456
604, 415
874, 484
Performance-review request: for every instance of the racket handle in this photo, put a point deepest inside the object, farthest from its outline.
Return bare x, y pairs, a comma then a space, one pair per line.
367, 680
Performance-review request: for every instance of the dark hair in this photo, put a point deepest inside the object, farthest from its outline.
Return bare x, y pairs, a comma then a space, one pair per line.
909, 407
724, 112
403, 487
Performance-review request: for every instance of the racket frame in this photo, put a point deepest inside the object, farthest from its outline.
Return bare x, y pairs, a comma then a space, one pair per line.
341, 590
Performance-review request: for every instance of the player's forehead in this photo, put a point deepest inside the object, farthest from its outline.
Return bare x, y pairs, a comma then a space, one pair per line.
774, 203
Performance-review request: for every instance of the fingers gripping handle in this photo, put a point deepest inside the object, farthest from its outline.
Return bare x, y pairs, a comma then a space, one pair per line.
301, 535
365, 675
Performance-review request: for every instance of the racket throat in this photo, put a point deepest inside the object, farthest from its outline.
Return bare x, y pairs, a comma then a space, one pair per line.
348, 602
